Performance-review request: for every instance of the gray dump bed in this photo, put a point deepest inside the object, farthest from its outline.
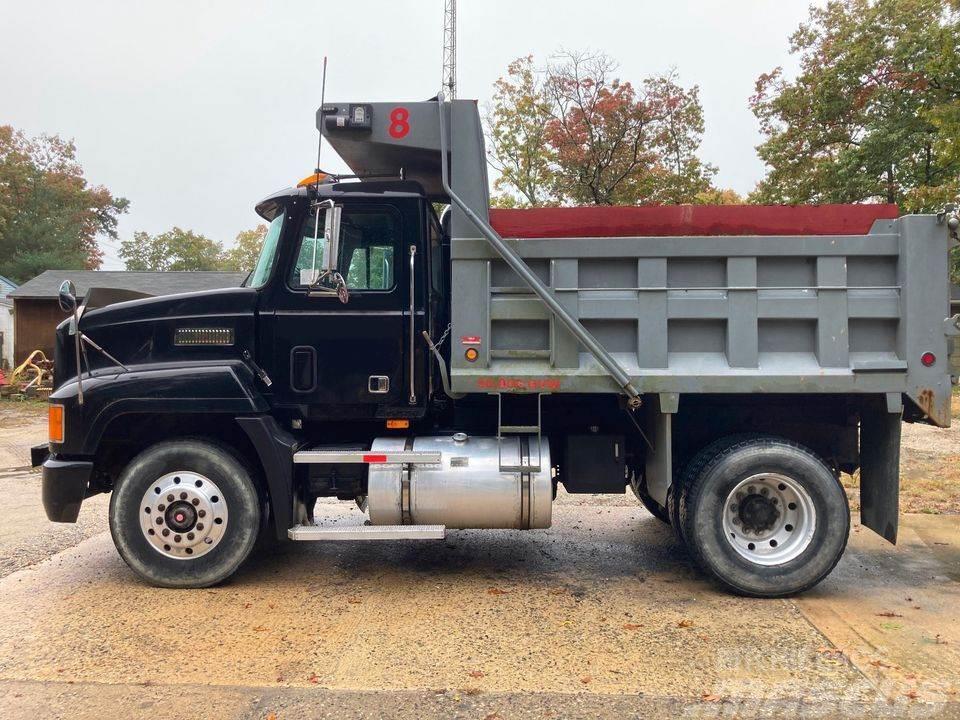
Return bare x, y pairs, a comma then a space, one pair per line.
808, 313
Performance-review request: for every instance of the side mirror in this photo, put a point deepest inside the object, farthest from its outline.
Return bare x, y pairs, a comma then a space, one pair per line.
331, 234
67, 297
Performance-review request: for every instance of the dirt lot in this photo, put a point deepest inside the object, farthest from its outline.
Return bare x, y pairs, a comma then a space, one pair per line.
600, 616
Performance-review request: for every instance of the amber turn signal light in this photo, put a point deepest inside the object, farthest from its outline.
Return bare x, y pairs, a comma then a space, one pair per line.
55, 423
398, 424
471, 354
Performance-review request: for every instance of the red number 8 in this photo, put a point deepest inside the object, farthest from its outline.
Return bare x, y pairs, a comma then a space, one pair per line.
399, 125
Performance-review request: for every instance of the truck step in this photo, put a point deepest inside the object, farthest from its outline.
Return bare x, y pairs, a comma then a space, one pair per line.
367, 532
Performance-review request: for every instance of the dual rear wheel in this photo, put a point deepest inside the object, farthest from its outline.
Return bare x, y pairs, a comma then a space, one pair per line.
763, 516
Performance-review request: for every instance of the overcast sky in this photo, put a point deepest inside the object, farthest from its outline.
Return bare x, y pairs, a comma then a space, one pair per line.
196, 110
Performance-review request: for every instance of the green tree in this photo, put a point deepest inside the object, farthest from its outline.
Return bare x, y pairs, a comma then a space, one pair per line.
245, 251
516, 133
50, 216
874, 113
176, 249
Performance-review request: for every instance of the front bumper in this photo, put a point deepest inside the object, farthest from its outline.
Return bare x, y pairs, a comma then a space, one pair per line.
65, 484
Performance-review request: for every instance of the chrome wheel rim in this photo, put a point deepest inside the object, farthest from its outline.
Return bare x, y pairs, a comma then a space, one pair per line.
769, 519
183, 515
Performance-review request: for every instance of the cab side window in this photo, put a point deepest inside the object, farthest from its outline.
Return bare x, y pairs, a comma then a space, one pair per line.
369, 247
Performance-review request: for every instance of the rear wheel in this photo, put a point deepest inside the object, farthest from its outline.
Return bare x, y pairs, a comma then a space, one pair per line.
185, 514
765, 517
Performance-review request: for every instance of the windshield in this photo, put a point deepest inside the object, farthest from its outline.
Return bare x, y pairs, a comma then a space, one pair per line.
268, 254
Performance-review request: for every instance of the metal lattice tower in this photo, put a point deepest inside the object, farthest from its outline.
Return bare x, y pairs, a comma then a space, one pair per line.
450, 48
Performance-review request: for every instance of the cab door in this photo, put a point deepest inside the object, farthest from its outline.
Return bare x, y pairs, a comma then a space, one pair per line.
348, 359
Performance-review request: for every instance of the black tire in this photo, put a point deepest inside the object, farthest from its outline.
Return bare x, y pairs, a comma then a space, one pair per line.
703, 502
639, 486
684, 479
238, 493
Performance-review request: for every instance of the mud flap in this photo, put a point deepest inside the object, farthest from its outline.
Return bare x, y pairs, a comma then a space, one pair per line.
880, 470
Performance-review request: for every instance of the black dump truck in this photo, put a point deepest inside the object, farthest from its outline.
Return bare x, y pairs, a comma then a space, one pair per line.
726, 364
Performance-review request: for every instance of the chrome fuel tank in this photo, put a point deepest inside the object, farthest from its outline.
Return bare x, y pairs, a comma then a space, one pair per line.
480, 482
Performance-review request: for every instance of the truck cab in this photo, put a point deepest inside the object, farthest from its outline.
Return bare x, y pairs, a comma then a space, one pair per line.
359, 354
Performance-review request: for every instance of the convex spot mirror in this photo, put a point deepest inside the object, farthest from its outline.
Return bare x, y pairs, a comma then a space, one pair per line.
67, 296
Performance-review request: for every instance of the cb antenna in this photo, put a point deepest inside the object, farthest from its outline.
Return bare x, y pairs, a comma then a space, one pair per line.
323, 94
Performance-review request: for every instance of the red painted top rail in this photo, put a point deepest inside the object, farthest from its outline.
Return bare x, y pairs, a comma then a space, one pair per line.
679, 220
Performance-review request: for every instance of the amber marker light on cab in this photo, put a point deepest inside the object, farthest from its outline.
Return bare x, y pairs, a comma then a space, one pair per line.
471, 354
314, 179
398, 424
55, 423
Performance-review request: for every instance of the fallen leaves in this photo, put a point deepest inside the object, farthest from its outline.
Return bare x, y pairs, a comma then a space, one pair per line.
260, 628
685, 624
313, 678
889, 613
354, 600
632, 626
477, 674
497, 591
586, 679
830, 652
710, 698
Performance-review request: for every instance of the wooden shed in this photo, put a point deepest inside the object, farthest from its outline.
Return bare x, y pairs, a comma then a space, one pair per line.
36, 311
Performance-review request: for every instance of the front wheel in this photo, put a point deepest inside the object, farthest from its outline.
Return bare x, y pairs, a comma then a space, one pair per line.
184, 514
765, 517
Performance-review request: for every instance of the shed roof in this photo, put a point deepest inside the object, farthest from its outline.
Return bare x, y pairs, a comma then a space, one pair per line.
47, 283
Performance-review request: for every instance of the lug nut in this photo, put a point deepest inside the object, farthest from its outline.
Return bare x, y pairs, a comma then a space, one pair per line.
183, 496
161, 507
165, 532
176, 538
199, 526
170, 498
195, 501
202, 513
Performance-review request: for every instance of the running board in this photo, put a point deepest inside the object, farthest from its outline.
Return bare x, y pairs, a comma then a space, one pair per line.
364, 457
367, 532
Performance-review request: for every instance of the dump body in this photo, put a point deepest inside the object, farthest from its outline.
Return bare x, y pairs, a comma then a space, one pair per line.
715, 314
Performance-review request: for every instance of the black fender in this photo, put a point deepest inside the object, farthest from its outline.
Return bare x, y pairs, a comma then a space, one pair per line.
201, 388
275, 448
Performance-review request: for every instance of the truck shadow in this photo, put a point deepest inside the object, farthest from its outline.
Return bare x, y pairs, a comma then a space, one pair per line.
637, 547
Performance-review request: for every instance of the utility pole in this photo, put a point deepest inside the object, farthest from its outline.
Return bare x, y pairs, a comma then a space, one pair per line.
450, 49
